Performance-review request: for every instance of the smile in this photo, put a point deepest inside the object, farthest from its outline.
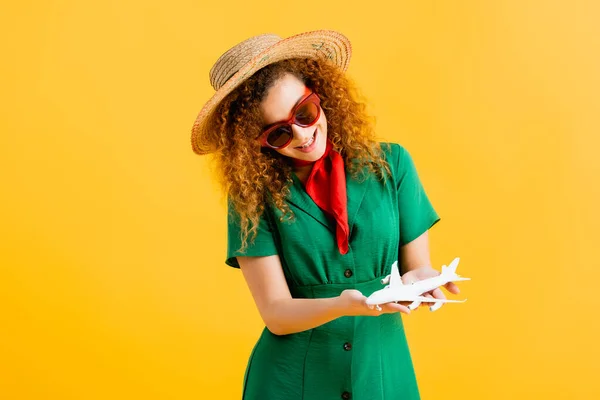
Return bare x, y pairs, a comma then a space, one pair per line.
312, 139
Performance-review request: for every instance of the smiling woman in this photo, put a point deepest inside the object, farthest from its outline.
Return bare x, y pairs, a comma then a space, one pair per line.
318, 213
240, 121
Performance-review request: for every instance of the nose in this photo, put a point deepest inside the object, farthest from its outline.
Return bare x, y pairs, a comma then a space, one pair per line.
302, 135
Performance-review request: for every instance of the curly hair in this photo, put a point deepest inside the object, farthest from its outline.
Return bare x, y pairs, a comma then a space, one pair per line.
252, 176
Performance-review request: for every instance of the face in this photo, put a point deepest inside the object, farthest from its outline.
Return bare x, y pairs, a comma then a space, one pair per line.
277, 106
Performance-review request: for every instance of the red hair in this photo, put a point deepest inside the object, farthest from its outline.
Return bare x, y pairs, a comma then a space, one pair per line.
253, 176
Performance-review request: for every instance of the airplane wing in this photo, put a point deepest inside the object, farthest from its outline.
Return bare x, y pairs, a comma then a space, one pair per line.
454, 263
424, 299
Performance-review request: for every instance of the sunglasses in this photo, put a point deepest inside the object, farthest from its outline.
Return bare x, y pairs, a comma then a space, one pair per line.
306, 113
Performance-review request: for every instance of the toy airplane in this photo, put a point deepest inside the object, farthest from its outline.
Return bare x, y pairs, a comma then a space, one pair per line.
397, 291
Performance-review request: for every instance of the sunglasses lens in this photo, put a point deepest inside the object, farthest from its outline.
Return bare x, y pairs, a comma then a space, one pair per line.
280, 136
307, 114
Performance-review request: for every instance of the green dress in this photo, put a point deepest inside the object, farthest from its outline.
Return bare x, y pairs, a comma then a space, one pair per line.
362, 358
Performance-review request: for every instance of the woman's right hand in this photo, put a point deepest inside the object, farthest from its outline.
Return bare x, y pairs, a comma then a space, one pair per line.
353, 303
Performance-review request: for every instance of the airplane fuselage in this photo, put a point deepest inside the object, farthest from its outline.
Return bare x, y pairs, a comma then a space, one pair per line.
406, 292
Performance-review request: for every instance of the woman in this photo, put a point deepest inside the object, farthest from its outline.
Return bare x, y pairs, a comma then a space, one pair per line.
319, 211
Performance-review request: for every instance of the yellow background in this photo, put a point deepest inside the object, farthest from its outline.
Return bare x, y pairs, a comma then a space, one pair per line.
112, 243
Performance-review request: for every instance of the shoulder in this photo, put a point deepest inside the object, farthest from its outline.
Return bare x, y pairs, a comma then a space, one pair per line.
391, 149
394, 154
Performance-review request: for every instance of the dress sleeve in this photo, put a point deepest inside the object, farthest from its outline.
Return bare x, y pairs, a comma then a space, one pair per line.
417, 214
263, 245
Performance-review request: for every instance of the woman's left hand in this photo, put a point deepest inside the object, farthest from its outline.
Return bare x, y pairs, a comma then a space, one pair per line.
421, 273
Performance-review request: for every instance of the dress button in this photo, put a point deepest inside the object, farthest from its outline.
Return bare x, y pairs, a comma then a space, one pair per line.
345, 395
348, 273
347, 346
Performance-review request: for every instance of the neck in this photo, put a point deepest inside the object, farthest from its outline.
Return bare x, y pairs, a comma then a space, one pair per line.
302, 172
303, 168
301, 163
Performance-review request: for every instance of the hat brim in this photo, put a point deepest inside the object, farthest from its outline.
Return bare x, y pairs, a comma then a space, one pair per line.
320, 44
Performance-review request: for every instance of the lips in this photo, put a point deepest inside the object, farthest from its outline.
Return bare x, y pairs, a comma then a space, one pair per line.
313, 137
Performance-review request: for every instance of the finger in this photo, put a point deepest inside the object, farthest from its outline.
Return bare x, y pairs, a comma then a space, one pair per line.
405, 304
438, 294
353, 293
359, 298
426, 304
394, 308
452, 288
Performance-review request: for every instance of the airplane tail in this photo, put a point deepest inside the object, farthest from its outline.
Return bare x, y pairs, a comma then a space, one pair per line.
449, 272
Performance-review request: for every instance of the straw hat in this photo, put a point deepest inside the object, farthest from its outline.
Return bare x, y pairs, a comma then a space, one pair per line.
244, 59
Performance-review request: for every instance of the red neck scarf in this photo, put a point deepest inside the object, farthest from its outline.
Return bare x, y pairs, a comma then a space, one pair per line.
326, 185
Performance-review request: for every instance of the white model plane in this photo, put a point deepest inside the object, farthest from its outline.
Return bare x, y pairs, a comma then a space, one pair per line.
397, 291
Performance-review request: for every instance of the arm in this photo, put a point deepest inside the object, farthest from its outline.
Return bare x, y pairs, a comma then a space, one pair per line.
415, 254
283, 314
414, 259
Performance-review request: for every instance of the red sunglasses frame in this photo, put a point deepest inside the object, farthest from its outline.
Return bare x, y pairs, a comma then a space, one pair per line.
310, 97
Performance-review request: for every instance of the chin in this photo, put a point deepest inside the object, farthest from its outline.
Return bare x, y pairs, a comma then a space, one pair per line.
314, 155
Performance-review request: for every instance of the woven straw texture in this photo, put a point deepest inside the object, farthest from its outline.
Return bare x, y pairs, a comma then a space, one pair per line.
247, 57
